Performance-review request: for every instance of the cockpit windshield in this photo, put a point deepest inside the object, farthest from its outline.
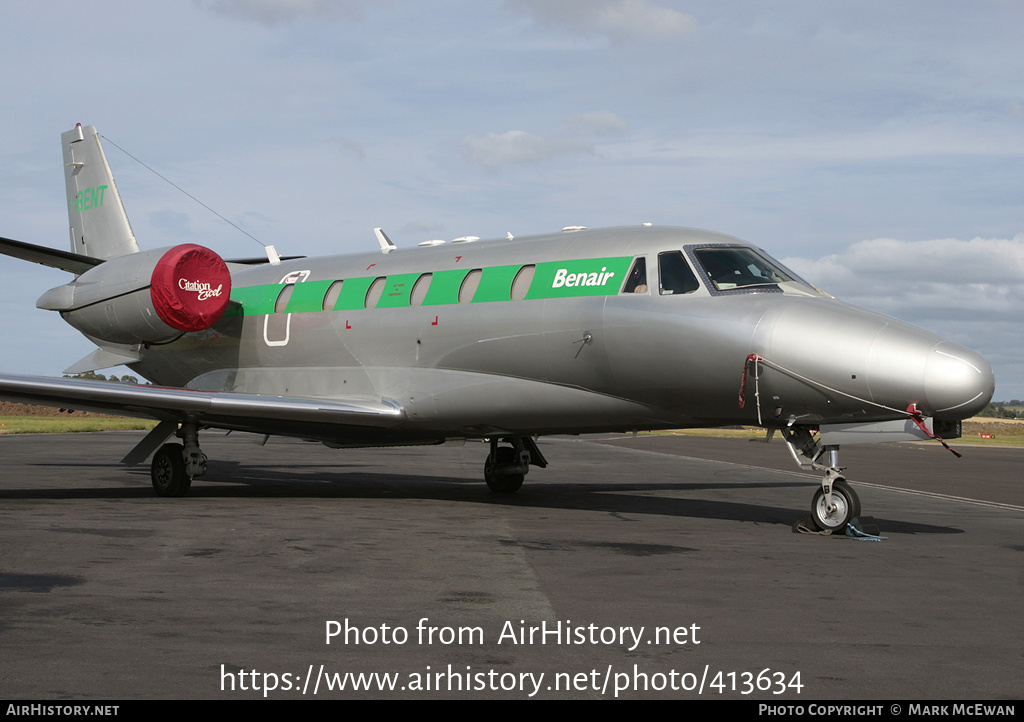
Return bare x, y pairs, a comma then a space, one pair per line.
732, 268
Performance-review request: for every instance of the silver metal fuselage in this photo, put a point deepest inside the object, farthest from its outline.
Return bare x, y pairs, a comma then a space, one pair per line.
612, 361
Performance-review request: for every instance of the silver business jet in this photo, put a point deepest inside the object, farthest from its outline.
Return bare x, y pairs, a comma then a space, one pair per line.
507, 340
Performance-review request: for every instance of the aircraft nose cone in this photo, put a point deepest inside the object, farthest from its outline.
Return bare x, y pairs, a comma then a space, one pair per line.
958, 382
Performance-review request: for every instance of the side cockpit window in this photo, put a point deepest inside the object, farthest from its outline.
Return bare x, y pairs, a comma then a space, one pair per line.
676, 275
636, 281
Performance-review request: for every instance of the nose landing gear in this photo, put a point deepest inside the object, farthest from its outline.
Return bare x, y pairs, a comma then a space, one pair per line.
835, 503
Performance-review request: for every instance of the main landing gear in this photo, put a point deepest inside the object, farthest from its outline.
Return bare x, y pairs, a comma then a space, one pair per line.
506, 466
835, 503
175, 465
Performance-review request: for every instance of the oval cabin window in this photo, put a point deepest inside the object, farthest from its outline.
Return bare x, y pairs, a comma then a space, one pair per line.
332, 295
469, 285
283, 298
374, 293
419, 290
521, 283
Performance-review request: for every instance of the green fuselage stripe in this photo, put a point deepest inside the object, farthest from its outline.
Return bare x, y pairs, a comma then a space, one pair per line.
555, 279
496, 284
396, 290
307, 296
353, 293
444, 287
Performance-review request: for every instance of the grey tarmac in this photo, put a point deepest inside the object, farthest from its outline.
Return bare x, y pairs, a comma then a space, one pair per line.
108, 592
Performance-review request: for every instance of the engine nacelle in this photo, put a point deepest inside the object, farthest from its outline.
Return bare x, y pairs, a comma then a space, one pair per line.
147, 297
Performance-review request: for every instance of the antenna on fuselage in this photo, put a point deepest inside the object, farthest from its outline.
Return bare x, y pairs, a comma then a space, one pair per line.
386, 246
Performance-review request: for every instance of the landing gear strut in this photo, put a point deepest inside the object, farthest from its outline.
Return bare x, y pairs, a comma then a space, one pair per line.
506, 466
835, 503
175, 465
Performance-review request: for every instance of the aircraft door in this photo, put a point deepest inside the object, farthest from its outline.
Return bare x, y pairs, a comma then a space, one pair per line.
277, 325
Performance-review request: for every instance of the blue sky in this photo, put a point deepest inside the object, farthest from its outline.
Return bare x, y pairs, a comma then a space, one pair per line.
875, 147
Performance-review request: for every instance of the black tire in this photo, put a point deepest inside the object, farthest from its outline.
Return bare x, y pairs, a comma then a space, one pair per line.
502, 483
168, 471
846, 503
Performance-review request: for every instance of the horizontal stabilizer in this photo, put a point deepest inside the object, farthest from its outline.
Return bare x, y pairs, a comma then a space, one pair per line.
65, 260
258, 260
104, 358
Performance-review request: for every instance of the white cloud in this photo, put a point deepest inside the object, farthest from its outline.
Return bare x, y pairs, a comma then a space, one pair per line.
944, 272
600, 123
277, 12
618, 20
492, 150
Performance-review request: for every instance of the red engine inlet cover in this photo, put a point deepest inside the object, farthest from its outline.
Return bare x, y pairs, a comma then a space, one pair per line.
191, 287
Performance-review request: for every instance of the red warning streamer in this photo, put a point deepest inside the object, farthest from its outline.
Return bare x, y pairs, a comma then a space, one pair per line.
919, 420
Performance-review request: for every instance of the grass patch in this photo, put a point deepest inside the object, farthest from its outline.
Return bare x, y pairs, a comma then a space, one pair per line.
997, 441
745, 433
1005, 432
60, 425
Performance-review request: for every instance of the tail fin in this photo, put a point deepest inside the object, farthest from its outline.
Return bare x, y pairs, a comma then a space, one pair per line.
99, 225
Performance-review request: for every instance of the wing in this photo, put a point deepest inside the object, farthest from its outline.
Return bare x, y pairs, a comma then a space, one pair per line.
322, 419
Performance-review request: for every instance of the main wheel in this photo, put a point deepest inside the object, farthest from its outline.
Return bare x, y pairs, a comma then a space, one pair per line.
845, 507
498, 482
168, 471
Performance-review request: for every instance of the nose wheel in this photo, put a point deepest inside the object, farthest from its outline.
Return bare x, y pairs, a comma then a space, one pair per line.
833, 511
835, 503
